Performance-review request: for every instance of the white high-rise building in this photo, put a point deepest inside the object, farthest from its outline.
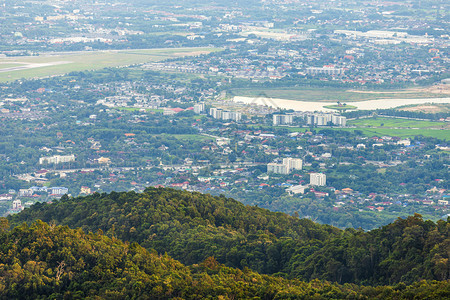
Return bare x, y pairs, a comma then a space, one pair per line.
325, 119
324, 70
231, 115
59, 190
283, 119
199, 108
339, 120
277, 168
216, 113
318, 179
286, 167
56, 159
293, 163
17, 205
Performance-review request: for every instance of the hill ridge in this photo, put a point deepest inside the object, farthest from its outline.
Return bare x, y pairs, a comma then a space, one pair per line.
191, 227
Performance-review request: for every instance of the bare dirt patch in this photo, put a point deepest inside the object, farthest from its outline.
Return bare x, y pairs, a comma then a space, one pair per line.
428, 108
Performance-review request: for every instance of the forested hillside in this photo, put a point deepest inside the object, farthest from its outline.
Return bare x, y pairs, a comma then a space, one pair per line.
54, 262
192, 227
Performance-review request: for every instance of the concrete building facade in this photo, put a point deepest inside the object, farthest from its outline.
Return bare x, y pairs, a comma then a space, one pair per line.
318, 179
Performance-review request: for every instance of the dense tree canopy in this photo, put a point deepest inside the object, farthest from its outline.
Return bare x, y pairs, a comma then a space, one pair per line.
55, 262
192, 227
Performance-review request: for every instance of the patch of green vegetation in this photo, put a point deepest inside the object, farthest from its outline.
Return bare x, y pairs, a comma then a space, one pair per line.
191, 137
436, 133
391, 127
193, 226
93, 60
395, 123
8, 65
341, 107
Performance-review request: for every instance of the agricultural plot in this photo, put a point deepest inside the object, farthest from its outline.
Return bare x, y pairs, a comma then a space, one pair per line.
443, 134
396, 123
394, 127
401, 127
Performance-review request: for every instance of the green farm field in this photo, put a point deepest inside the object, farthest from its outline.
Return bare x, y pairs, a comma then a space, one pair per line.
396, 123
401, 127
63, 63
330, 94
443, 134
9, 65
394, 127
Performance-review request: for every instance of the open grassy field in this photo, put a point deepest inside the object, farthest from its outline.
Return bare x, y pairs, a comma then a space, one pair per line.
9, 65
393, 127
330, 94
62, 63
443, 134
396, 123
340, 108
401, 127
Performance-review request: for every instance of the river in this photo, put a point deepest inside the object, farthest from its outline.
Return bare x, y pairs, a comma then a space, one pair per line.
318, 106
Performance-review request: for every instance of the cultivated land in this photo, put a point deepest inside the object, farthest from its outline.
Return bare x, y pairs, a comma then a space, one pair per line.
8, 65
396, 123
394, 127
333, 94
401, 127
443, 134
63, 63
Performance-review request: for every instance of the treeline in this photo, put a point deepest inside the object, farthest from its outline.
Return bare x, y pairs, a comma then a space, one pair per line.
44, 261
192, 227
395, 113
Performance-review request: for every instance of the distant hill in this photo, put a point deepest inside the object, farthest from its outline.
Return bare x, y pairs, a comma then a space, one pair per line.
192, 227
54, 262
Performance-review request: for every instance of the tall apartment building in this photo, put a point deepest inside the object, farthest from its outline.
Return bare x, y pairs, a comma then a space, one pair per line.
293, 163
17, 205
277, 168
199, 108
318, 179
231, 115
282, 119
325, 119
288, 165
59, 190
56, 159
339, 120
218, 113
324, 70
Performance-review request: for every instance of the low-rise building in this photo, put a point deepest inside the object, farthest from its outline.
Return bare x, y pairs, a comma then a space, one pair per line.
296, 189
